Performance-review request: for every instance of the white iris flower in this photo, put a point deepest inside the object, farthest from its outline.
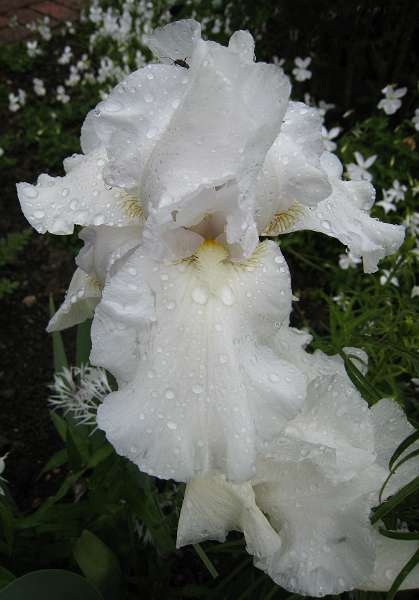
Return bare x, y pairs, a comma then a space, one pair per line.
185, 165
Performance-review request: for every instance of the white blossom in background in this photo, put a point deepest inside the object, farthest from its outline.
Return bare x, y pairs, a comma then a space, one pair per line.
300, 71
348, 261
415, 291
359, 171
43, 27
33, 49
61, 95
16, 101
279, 62
411, 222
387, 203
79, 391
415, 119
1, 151
397, 191
386, 278
38, 87
2, 467
66, 56
391, 101
328, 136
322, 106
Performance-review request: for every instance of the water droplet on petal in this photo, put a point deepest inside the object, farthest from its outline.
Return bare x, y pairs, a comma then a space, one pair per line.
200, 295
197, 389
227, 295
171, 425
98, 220
30, 191
170, 394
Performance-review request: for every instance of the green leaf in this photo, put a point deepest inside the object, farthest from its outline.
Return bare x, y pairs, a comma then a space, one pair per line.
51, 584
101, 454
207, 562
399, 535
368, 392
59, 424
99, 564
7, 526
83, 343
390, 504
411, 439
77, 446
57, 460
60, 357
408, 567
5, 577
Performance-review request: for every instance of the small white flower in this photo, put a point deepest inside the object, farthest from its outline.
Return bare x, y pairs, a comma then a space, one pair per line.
359, 171
2, 467
415, 119
66, 56
61, 95
44, 29
79, 391
348, 261
301, 72
397, 192
32, 49
414, 293
412, 223
385, 278
328, 136
386, 204
74, 77
1, 152
39, 87
279, 62
391, 101
16, 101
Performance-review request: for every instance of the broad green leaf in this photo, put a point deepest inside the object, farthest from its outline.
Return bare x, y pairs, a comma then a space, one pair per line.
83, 343
60, 357
50, 584
99, 564
6, 577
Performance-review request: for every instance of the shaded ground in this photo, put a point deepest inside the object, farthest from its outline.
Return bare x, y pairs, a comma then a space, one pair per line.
26, 354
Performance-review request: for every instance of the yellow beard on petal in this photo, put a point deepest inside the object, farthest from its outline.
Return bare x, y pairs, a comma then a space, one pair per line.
211, 259
131, 205
283, 221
